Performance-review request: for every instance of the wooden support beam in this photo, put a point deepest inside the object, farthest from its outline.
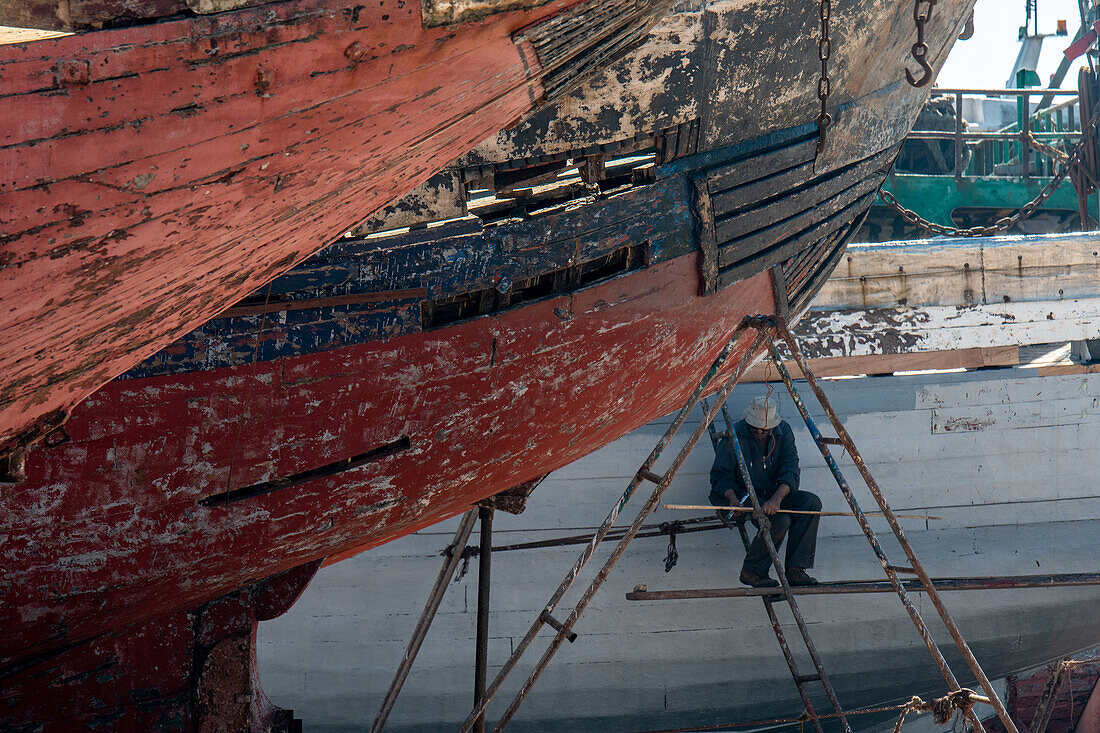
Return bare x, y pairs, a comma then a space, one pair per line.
890, 363
983, 270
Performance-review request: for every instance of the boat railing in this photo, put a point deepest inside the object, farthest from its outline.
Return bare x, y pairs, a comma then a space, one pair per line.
1009, 151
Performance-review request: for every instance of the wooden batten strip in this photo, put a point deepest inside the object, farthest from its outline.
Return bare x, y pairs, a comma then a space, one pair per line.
338, 300
738, 173
1067, 369
736, 199
733, 252
815, 193
708, 247
841, 366
756, 262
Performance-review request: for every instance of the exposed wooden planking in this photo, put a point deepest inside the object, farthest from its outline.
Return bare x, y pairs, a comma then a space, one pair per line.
200, 157
449, 12
889, 363
813, 223
723, 178
1051, 371
766, 185
442, 196
822, 189
124, 275
977, 271
943, 328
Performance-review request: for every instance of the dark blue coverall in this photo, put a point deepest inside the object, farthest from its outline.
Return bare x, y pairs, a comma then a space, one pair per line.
776, 463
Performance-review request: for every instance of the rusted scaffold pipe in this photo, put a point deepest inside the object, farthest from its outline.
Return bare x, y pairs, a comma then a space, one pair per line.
993, 582
484, 576
764, 524
458, 544
890, 570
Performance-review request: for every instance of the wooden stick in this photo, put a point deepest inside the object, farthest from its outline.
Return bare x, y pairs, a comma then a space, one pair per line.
793, 511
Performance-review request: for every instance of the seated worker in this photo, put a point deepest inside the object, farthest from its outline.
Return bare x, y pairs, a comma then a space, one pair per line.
767, 444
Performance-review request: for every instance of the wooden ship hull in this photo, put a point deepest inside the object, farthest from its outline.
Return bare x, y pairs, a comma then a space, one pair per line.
1000, 454
153, 174
393, 379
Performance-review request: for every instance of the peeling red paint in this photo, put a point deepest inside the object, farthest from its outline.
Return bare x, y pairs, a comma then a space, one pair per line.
112, 519
194, 160
193, 669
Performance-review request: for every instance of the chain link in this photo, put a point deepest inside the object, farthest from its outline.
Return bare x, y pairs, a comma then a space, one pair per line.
824, 83
1007, 222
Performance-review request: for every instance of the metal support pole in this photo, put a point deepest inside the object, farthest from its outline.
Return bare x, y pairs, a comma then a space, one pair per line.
1025, 128
992, 582
765, 531
876, 492
763, 333
958, 137
714, 438
484, 568
458, 544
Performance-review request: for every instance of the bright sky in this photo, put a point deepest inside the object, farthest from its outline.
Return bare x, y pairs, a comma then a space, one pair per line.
986, 60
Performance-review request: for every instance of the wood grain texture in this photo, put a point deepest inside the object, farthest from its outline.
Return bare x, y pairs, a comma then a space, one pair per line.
979, 271
155, 174
202, 157
486, 404
836, 366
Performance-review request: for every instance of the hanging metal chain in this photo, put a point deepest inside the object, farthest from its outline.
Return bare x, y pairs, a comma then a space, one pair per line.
920, 48
1007, 222
824, 84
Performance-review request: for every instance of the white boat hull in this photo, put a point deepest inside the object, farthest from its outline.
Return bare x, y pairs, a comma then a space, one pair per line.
1004, 457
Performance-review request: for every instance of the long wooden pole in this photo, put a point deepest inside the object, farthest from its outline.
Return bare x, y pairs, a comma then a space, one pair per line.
793, 511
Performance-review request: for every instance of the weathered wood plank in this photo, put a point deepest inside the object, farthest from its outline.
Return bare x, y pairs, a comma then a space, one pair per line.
737, 250
742, 197
822, 190
1068, 369
730, 176
837, 366
708, 245
833, 222
952, 272
940, 328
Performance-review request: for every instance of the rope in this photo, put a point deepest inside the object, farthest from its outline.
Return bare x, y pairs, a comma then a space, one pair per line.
955, 705
1022, 213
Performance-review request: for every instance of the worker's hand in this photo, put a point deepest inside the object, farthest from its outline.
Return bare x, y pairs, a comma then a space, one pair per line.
771, 506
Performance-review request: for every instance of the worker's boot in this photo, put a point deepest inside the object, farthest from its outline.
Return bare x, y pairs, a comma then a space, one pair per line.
756, 580
798, 576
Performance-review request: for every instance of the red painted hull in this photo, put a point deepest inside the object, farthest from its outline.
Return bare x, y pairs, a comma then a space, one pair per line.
151, 176
109, 529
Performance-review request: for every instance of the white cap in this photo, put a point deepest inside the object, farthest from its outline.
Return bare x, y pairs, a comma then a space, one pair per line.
762, 413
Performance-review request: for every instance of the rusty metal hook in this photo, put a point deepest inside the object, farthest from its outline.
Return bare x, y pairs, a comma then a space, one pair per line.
920, 54
920, 48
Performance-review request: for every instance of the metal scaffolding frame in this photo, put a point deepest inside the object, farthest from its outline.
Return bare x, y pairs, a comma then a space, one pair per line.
892, 571
564, 629
770, 597
767, 329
